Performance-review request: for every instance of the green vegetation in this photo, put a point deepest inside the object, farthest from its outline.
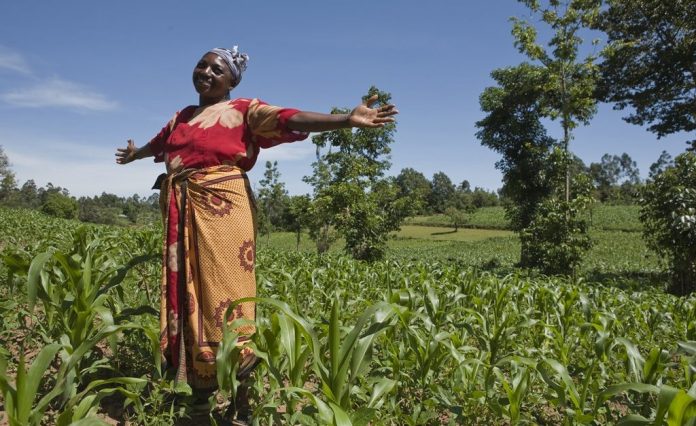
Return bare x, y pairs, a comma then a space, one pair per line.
441, 332
443, 326
601, 217
669, 215
658, 87
448, 234
352, 198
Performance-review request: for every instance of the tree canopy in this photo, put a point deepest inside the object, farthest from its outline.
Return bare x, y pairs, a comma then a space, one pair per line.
351, 194
649, 62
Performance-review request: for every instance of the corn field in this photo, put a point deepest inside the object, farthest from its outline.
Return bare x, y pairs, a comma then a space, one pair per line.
400, 342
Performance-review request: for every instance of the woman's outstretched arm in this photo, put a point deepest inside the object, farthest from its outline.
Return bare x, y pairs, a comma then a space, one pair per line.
131, 153
362, 116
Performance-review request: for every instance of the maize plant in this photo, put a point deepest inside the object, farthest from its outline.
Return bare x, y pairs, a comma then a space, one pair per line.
425, 337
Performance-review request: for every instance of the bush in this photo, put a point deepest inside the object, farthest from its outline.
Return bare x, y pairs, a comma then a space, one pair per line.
60, 205
669, 219
557, 237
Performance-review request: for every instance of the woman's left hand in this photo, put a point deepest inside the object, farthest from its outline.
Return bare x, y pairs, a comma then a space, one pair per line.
365, 116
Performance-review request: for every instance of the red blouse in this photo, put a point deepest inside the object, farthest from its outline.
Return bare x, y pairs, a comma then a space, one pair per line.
227, 133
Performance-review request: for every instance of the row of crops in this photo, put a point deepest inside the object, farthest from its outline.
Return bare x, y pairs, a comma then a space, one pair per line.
410, 340
602, 216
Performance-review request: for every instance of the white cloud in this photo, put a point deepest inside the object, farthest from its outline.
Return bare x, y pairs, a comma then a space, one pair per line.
91, 170
59, 93
13, 61
87, 168
83, 170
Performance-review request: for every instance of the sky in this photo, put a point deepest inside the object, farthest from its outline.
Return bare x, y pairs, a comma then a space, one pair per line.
78, 78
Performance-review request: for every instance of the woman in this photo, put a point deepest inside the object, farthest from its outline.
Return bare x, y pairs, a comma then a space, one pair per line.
208, 208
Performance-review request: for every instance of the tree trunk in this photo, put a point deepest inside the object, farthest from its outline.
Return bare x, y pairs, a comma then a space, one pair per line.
566, 139
683, 278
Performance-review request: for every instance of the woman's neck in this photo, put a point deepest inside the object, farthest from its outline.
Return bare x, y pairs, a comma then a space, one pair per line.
204, 102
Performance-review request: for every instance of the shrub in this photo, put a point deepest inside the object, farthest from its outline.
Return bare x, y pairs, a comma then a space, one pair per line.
669, 219
557, 237
60, 205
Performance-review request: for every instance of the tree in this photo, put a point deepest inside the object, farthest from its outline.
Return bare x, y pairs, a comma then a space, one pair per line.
321, 218
8, 183
534, 168
461, 200
296, 215
152, 202
513, 128
442, 192
557, 238
482, 198
457, 217
91, 210
29, 195
58, 204
416, 187
570, 82
272, 195
649, 62
4, 163
664, 161
669, 220
615, 178
351, 193
132, 208
559, 85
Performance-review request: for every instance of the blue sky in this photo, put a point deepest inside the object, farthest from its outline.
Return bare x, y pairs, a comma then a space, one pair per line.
78, 78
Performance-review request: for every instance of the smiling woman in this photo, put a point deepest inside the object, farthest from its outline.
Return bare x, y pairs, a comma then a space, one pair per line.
209, 212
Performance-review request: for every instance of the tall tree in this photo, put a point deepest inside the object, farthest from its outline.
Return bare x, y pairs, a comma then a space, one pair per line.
669, 220
297, 215
569, 89
29, 195
321, 219
513, 128
611, 172
7, 178
59, 204
649, 62
350, 190
272, 195
482, 198
416, 187
443, 190
664, 161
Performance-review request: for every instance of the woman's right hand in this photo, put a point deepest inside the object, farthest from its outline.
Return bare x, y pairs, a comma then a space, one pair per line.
127, 154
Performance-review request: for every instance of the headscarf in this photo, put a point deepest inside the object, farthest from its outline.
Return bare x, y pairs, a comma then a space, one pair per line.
235, 61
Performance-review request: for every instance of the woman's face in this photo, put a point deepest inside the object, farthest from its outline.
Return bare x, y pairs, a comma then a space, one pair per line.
212, 78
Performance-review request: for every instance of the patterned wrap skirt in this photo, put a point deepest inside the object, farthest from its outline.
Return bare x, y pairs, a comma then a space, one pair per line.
209, 254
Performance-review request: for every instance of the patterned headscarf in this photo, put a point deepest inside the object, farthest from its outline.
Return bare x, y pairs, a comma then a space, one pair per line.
235, 61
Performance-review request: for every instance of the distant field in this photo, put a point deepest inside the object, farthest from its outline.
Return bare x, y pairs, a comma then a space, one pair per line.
604, 217
487, 217
409, 234
616, 218
449, 234
617, 257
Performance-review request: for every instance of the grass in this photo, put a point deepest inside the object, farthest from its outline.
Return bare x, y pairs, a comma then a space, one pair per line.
617, 258
604, 217
616, 218
449, 234
486, 217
